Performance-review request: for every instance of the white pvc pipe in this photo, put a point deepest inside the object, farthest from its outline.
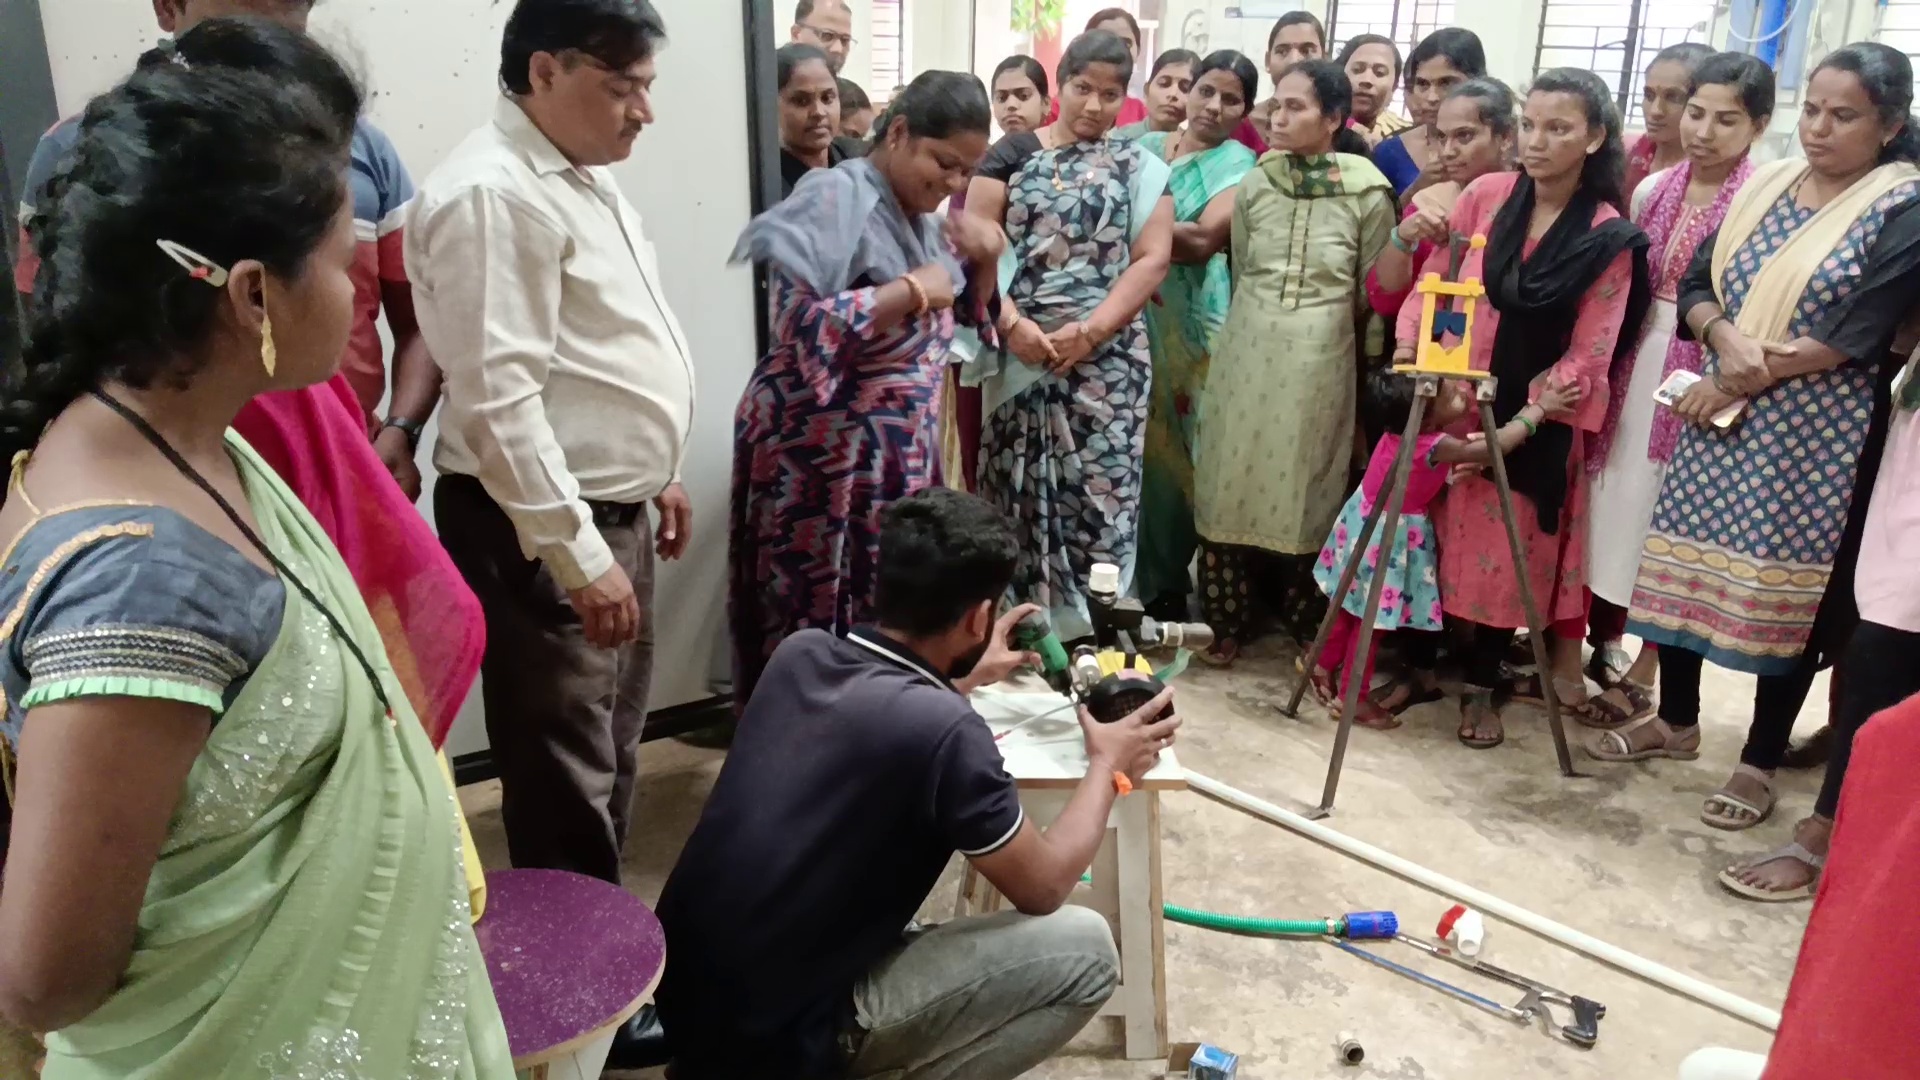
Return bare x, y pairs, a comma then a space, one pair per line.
1488, 904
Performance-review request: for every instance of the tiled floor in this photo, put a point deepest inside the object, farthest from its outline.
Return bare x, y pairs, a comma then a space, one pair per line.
1619, 854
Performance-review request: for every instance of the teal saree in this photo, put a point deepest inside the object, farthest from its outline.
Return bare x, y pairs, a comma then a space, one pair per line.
1182, 321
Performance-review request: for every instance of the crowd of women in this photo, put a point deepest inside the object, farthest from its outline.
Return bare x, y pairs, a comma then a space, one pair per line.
1157, 333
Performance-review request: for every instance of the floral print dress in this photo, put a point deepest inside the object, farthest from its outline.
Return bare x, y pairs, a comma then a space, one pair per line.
1062, 458
1410, 598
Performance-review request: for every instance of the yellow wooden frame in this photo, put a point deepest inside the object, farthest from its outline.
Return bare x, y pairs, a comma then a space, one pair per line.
1430, 357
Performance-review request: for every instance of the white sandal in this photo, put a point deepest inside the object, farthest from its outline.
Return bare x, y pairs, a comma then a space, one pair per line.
1617, 747
1730, 877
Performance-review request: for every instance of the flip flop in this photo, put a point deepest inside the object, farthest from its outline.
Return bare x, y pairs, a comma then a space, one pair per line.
1732, 820
1368, 714
1730, 877
1469, 735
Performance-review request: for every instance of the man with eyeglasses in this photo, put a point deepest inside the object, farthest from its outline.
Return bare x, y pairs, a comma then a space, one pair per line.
569, 395
828, 26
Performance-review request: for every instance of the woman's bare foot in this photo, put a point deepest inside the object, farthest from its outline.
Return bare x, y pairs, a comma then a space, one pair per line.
1785, 874
1480, 726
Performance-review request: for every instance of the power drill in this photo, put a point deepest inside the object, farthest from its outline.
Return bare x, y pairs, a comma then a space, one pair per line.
1109, 676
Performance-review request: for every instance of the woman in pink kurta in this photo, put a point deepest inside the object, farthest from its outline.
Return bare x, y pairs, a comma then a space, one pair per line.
1564, 271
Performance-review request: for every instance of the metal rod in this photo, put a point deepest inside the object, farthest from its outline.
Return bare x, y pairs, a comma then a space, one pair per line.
1537, 630
1425, 387
1505, 1011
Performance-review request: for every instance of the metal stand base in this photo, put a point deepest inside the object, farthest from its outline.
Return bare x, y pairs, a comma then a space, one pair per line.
1389, 507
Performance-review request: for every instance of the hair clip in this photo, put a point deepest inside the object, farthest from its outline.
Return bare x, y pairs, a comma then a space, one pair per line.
197, 266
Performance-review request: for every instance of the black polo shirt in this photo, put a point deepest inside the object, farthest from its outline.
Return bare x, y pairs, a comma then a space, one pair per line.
855, 774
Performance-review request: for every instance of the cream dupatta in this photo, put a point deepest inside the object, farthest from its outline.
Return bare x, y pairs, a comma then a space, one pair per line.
1766, 314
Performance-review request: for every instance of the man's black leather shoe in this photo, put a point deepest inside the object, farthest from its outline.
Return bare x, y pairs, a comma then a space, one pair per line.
641, 1043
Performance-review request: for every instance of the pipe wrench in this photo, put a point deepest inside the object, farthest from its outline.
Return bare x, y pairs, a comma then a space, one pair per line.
1583, 1032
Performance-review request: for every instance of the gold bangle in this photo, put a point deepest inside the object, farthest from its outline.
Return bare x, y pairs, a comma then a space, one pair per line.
919, 291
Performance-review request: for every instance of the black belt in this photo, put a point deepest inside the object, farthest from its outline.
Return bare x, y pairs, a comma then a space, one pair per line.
612, 515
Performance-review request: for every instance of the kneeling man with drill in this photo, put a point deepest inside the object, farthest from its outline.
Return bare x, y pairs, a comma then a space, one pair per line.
857, 771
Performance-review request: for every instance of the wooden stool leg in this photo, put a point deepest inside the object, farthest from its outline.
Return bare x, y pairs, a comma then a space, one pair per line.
1142, 941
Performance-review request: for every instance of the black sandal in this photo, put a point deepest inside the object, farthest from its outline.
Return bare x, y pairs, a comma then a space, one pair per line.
1603, 715
1470, 732
1416, 694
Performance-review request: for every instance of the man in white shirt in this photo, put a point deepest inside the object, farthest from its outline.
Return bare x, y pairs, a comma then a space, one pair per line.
568, 398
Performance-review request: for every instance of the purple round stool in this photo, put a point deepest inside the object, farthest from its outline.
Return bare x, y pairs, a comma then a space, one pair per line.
571, 959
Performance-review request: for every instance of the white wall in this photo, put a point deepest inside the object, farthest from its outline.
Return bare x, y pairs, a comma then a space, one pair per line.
431, 66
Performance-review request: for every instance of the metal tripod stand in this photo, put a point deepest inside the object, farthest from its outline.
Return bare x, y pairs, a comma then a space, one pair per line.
1434, 364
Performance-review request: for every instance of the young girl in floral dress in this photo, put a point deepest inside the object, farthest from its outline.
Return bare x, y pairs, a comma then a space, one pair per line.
1410, 598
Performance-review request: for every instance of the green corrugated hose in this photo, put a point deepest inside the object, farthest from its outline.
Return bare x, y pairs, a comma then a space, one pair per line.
1245, 924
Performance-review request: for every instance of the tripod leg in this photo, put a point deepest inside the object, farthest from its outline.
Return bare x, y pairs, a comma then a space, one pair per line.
1537, 630
1351, 571
1363, 649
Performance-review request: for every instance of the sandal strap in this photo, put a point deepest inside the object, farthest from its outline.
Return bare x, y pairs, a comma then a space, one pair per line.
1726, 798
1795, 851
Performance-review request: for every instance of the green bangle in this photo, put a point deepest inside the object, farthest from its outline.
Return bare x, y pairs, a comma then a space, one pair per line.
1532, 428
1400, 242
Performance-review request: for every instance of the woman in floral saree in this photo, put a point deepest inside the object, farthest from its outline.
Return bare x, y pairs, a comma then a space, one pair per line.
233, 853
1188, 311
1090, 236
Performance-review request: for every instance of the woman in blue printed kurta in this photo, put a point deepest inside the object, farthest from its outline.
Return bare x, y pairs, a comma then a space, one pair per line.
841, 416
1749, 563
1091, 238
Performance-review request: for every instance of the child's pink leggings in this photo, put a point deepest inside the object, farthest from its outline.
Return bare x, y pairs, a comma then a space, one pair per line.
1338, 653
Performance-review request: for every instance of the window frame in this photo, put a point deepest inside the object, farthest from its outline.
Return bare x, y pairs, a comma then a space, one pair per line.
1416, 28
1637, 46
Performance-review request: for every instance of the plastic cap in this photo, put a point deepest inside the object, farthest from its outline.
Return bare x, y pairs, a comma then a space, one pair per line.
1370, 925
1103, 578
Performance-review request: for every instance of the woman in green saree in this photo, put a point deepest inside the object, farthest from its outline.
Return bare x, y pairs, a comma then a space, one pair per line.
233, 853
1188, 311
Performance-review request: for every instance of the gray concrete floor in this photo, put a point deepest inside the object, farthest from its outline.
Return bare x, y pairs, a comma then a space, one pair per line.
1619, 854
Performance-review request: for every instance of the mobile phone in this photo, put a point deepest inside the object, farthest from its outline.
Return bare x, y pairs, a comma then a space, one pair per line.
1675, 387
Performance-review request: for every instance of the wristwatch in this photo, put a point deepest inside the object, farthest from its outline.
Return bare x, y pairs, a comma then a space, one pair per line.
410, 428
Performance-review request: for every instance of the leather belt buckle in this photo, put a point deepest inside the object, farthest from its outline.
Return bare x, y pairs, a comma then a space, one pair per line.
610, 515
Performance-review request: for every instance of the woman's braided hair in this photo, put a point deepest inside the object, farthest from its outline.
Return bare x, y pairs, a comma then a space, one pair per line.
231, 141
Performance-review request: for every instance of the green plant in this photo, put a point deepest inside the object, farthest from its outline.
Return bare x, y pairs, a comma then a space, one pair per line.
1038, 18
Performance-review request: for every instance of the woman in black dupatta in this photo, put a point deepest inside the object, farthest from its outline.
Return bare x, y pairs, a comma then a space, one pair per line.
1567, 287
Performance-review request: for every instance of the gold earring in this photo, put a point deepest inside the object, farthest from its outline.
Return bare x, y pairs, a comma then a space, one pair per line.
269, 354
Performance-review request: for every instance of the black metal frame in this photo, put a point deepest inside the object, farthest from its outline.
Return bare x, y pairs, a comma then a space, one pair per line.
1630, 48
763, 135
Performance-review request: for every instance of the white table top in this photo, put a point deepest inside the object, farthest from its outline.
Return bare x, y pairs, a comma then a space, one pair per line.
1049, 752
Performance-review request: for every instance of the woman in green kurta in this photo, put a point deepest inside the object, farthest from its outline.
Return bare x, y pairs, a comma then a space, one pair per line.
233, 853
1272, 464
1188, 312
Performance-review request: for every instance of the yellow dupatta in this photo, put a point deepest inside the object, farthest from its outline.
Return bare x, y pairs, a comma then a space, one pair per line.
1766, 314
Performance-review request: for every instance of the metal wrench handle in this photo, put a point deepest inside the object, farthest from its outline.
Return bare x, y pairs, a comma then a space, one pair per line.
1587, 1013
1505, 1011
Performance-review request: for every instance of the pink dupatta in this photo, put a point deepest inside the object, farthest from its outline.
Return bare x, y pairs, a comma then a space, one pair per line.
1662, 214
429, 620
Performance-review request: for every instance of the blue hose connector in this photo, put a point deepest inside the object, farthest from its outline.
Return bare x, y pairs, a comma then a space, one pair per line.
1372, 925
